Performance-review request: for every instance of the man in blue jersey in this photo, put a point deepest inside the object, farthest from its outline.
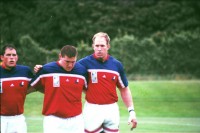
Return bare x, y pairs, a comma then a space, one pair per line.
62, 82
14, 81
101, 112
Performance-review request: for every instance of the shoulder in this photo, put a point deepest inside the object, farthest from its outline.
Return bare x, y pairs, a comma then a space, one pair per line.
114, 60
50, 64
49, 67
24, 70
80, 66
23, 67
89, 57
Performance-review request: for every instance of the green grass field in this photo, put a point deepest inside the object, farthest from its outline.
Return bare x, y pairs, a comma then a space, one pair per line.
161, 106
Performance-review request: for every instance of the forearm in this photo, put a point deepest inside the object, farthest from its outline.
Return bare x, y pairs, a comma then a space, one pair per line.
127, 97
30, 90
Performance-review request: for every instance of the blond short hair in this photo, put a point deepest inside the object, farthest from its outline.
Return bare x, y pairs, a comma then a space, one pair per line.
102, 34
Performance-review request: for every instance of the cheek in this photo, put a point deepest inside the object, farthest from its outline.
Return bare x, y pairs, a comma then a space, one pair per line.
105, 49
5, 59
95, 49
16, 58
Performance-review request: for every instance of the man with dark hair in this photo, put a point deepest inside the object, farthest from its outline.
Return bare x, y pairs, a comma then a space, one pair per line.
62, 82
14, 84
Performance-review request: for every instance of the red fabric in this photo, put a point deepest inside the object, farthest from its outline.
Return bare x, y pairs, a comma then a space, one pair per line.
13, 96
63, 101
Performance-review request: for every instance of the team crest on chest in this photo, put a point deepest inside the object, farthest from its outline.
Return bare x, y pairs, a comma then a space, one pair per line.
21, 84
77, 81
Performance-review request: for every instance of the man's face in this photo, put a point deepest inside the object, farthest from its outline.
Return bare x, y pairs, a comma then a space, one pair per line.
67, 63
100, 47
10, 58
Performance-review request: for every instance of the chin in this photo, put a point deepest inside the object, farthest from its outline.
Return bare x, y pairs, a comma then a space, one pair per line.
11, 66
68, 70
99, 57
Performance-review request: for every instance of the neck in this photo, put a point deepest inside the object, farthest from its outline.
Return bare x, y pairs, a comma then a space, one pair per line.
101, 59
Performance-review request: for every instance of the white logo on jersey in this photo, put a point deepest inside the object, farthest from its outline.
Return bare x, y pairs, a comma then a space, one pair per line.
104, 76
11, 85
67, 80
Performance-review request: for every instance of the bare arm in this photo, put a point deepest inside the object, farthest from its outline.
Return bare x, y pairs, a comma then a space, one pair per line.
30, 90
126, 96
127, 99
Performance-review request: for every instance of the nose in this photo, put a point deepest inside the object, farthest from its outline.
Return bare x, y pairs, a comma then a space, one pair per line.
99, 48
70, 64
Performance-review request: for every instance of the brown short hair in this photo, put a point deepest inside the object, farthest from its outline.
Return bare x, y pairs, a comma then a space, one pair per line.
69, 50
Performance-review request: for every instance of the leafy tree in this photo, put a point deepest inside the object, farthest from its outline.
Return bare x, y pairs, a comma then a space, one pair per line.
31, 53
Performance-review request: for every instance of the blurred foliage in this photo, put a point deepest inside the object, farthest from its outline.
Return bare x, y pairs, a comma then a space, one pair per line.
54, 23
30, 53
161, 53
148, 36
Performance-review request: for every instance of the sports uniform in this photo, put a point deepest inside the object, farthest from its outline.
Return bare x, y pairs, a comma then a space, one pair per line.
14, 84
62, 97
101, 109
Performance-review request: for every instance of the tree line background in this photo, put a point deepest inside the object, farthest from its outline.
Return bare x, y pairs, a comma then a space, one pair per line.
150, 37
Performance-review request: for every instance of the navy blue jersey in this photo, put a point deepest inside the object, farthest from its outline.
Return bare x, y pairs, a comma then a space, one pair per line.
62, 89
103, 78
14, 84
